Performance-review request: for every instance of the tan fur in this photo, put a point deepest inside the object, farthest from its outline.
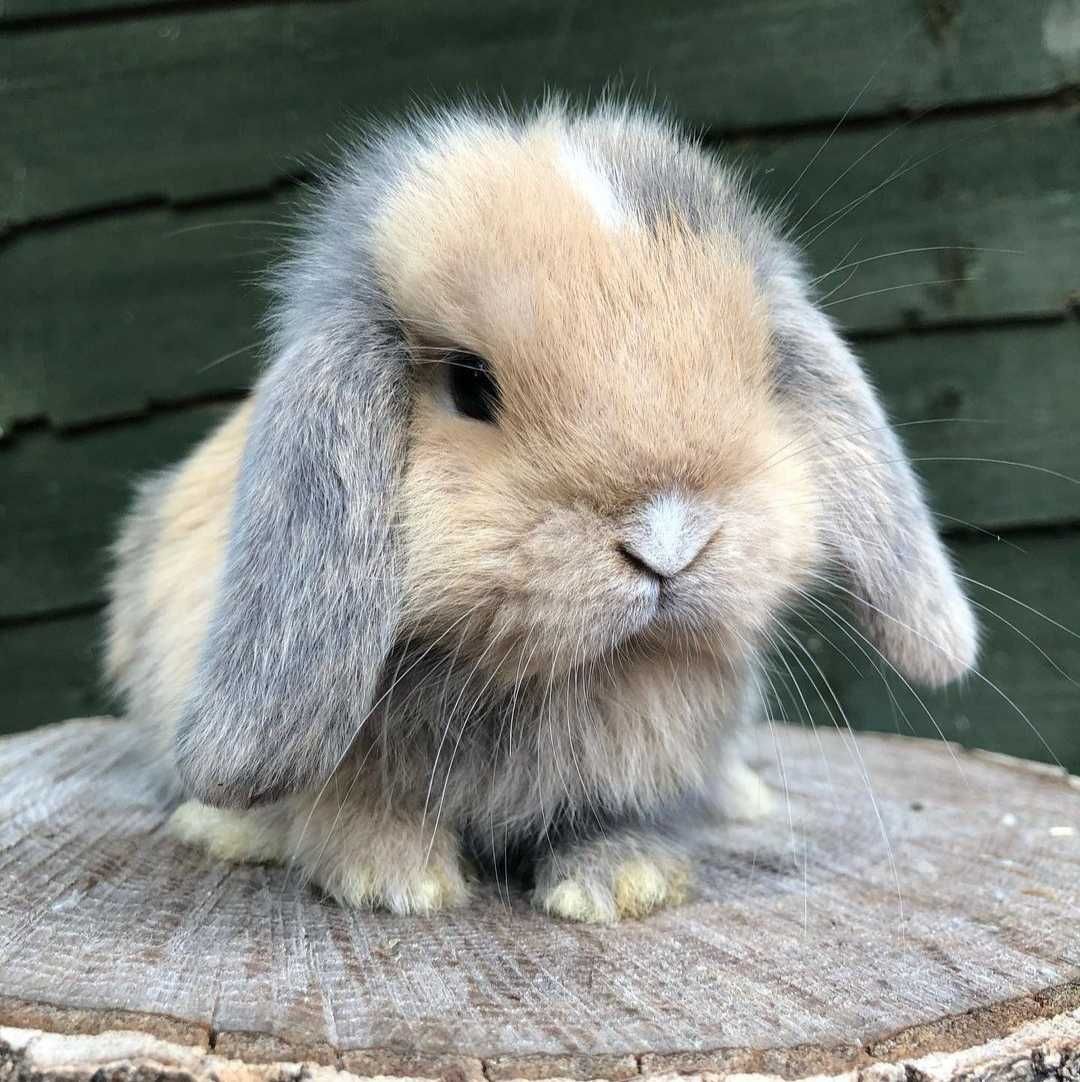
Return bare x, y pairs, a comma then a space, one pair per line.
630, 361
165, 619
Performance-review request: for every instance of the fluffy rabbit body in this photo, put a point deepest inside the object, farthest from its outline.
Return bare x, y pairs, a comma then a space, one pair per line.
483, 572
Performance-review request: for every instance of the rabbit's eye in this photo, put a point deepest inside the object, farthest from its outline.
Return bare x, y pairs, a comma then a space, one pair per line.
472, 386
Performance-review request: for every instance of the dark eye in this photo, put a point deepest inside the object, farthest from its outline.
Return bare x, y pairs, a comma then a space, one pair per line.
472, 386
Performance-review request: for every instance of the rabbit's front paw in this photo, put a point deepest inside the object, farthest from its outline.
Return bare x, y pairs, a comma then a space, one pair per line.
602, 891
420, 890
363, 855
239, 836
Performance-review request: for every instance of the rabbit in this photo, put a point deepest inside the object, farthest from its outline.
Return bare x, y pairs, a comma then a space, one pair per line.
481, 576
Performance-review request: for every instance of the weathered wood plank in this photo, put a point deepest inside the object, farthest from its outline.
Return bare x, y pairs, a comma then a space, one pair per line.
895, 901
185, 103
107, 314
49, 670
14, 10
1017, 392
1042, 720
934, 193
61, 499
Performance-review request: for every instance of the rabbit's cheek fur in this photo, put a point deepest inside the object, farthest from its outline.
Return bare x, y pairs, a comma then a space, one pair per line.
499, 570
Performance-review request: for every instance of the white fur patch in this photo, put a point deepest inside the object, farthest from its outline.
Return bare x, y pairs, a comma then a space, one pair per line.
668, 532
592, 185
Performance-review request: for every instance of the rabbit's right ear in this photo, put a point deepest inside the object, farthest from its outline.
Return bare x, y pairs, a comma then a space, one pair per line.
308, 602
895, 570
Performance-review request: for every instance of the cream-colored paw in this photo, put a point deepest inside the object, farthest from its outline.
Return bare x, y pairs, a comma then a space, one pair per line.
574, 900
643, 885
225, 834
639, 887
366, 886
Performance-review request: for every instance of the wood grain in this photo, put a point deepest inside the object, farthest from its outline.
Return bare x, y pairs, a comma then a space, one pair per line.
812, 944
1031, 1049
958, 219
178, 104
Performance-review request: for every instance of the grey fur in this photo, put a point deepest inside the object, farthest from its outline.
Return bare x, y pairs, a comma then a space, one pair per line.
899, 578
305, 674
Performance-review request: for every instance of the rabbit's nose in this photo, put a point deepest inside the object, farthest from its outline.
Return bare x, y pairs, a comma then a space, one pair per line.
666, 534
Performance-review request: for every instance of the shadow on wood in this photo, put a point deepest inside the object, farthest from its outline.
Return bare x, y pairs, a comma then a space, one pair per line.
906, 899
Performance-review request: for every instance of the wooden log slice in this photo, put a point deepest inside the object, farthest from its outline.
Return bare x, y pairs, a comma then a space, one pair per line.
907, 898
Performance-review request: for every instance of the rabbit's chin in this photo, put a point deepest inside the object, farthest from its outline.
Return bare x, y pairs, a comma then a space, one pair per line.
598, 643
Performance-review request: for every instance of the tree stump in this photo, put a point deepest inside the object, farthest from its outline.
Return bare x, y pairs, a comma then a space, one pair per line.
910, 907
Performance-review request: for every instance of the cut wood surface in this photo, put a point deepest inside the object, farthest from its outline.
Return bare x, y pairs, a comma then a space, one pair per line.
1033, 1052
906, 899
105, 110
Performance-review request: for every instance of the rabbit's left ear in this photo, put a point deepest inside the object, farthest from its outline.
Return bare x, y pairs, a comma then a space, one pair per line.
896, 572
308, 603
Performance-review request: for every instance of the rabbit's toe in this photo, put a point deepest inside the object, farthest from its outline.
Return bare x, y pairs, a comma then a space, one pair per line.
644, 885
743, 795
363, 884
632, 888
236, 836
571, 899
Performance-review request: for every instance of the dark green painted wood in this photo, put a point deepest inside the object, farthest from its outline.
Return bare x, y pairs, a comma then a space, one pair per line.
1018, 389
12, 11
1042, 572
113, 312
183, 103
60, 502
1004, 184
62, 493
49, 671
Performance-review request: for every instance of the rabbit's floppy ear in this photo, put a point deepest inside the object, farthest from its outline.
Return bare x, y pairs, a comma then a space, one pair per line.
307, 605
898, 576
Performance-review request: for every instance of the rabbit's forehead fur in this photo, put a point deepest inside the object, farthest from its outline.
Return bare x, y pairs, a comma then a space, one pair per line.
636, 343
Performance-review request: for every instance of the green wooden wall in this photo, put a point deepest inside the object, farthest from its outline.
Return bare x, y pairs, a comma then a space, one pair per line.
151, 154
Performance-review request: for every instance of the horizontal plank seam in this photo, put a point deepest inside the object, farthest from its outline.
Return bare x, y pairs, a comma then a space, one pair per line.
130, 13
44, 421
1064, 98
155, 407
147, 202
57, 615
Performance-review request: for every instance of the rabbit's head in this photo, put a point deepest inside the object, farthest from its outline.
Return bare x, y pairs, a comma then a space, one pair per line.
547, 395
